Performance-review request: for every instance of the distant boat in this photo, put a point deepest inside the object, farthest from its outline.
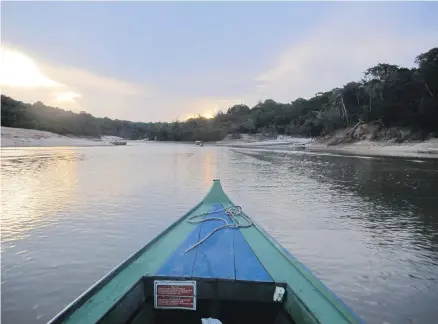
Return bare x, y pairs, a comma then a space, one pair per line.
214, 262
199, 143
118, 142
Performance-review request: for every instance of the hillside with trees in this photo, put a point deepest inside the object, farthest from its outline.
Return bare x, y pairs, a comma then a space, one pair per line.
392, 95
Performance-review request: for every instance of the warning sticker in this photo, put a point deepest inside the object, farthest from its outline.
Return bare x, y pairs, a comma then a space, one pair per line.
171, 301
173, 290
175, 294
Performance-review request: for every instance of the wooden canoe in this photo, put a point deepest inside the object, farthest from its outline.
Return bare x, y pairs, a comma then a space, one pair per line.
236, 275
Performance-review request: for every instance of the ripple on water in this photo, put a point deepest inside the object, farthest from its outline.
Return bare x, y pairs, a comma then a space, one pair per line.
367, 227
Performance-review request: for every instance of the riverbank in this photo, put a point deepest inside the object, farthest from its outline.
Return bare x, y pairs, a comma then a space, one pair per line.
425, 149
20, 137
374, 139
259, 140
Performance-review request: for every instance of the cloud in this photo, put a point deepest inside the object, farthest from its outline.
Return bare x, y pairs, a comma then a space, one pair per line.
18, 70
83, 79
212, 105
67, 96
28, 79
339, 51
169, 108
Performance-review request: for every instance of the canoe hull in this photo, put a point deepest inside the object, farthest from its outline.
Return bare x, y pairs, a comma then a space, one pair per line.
240, 260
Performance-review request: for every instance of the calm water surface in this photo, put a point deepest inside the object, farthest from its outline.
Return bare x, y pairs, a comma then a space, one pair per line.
368, 227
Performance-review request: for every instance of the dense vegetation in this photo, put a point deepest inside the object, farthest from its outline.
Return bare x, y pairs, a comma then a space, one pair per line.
392, 95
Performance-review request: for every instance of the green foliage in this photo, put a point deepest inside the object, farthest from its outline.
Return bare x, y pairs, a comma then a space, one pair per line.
392, 95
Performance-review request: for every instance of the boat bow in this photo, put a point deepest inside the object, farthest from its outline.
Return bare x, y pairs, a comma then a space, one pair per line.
229, 258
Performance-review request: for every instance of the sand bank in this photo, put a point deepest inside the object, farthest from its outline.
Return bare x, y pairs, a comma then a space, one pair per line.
426, 149
20, 137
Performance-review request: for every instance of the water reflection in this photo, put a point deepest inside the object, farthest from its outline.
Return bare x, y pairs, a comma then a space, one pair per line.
35, 188
375, 216
402, 195
367, 227
209, 166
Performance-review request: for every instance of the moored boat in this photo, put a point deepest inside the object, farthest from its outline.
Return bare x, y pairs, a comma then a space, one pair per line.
300, 147
214, 262
118, 142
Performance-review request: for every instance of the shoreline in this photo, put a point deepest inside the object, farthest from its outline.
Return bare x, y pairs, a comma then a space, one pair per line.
425, 150
21, 137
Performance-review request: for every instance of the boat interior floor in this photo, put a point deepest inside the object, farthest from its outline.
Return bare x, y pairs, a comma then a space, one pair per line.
226, 311
229, 301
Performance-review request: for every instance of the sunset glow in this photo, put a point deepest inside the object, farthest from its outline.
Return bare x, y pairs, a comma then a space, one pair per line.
18, 70
206, 115
67, 96
20, 73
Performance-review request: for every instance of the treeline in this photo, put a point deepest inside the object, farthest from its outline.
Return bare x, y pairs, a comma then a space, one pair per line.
392, 95
38, 116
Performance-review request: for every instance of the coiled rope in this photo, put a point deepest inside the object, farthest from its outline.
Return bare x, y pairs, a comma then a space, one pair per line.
232, 212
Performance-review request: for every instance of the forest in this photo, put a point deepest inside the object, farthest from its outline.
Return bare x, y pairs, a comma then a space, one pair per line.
390, 94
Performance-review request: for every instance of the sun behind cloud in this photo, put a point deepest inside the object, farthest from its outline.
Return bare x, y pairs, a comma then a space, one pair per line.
18, 70
20, 74
29, 79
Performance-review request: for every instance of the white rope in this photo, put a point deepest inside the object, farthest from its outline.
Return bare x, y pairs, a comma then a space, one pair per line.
232, 212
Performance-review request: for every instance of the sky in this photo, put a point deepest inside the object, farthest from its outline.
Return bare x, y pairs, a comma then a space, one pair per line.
163, 61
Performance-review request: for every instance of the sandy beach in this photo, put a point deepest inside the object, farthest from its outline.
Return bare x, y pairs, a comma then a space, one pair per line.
20, 137
426, 149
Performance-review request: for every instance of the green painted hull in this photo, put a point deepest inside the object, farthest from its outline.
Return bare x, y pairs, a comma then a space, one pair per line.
307, 300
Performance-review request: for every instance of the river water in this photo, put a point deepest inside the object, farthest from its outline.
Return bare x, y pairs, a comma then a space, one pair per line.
367, 227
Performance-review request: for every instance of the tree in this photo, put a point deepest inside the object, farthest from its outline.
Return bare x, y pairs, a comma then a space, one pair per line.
428, 69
